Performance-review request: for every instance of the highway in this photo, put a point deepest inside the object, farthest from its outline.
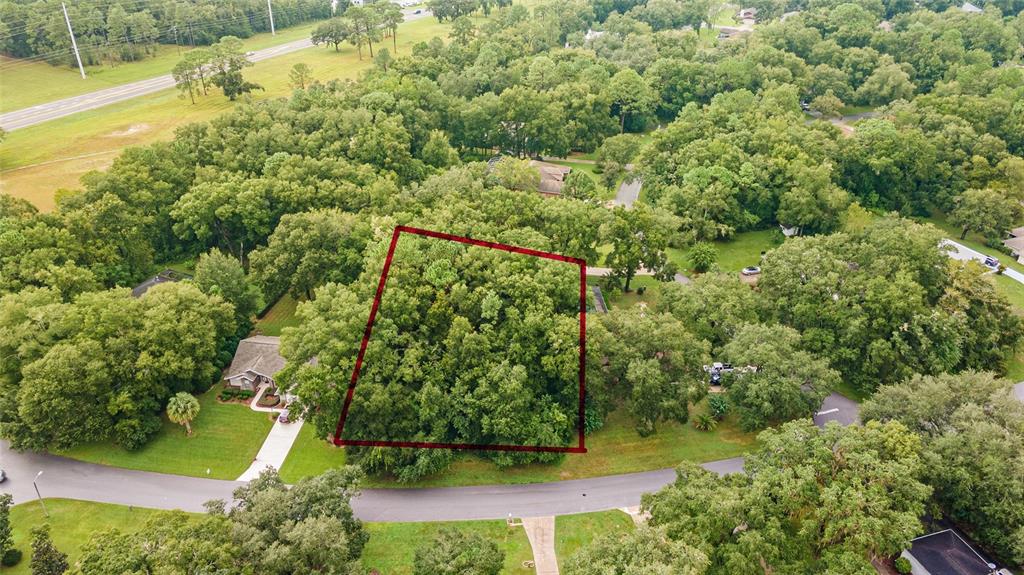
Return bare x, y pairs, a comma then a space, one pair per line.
60, 108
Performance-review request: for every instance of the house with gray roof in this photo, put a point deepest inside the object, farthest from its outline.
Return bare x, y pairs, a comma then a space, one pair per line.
257, 360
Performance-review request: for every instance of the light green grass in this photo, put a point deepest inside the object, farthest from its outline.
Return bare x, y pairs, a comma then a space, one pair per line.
310, 455
38, 160
612, 450
573, 532
72, 523
225, 439
392, 546
278, 317
27, 83
743, 250
615, 298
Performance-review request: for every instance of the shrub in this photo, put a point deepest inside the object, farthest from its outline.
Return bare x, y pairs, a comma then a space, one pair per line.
269, 400
902, 565
703, 256
245, 394
640, 290
705, 422
11, 558
718, 405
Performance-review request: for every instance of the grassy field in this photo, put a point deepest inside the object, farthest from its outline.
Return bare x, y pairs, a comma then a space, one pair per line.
390, 550
37, 161
615, 298
392, 546
573, 532
743, 250
225, 440
614, 449
278, 317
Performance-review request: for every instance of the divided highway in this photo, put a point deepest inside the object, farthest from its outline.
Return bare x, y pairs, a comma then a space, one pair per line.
75, 104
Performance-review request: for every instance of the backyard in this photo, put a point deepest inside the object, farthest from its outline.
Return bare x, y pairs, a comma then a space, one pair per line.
225, 439
278, 317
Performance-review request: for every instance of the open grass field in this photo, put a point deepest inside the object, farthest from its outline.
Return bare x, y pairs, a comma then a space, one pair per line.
614, 449
615, 298
225, 440
278, 317
392, 546
743, 250
573, 532
37, 161
39, 82
71, 522
390, 550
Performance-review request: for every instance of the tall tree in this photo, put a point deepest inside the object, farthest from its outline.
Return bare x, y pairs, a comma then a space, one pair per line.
986, 211
639, 238
182, 409
46, 559
457, 551
630, 96
219, 274
645, 550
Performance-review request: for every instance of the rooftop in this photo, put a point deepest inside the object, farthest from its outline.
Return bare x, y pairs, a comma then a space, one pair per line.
945, 553
258, 354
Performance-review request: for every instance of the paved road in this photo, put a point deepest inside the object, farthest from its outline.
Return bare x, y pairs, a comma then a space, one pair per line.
629, 191
961, 252
61, 108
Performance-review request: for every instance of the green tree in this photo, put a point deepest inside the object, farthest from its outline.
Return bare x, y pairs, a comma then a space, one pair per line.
227, 60
714, 306
46, 559
334, 31
455, 551
639, 238
6, 537
516, 174
630, 96
827, 104
644, 550
219, 274
463, 31
987, 212
364, 28
438, 152
786, 382
300, 76
184, 79
383, 59
390, 15
182, 408
579, 186
702, 256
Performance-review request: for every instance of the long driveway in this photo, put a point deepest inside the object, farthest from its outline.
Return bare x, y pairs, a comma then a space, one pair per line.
59, 108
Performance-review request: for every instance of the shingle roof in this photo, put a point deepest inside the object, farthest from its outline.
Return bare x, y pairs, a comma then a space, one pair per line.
259, 354
946, 553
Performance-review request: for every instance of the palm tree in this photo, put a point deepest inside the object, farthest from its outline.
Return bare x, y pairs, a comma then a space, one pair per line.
182, 409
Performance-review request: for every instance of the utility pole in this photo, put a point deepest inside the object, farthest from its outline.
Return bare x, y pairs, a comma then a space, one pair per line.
74, 44
271, 12
41, 504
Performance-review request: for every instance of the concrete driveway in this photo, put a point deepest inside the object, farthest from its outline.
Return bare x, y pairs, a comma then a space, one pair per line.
961, 252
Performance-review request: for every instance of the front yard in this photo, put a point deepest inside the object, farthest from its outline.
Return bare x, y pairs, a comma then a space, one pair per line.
573, 532
225, 439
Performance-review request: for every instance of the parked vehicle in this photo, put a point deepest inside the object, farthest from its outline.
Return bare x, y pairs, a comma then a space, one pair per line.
3, 476
751, 271
283, 417
991, 262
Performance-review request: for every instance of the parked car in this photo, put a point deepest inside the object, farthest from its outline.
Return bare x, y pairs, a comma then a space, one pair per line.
3, 476
991, 262
751, 271
418, 12
805, 106
283, 417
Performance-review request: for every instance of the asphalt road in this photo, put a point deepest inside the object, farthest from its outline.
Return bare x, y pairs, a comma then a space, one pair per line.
628, 192
75, 104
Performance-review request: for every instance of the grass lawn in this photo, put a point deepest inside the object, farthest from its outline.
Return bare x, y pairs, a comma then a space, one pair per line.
743, 250
71, 522
310, 455
278, 317
615, 298
225, 439
41, 159
614, 449
575, 531
392, 546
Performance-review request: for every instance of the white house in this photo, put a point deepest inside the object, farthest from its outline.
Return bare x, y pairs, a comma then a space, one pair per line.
970, 8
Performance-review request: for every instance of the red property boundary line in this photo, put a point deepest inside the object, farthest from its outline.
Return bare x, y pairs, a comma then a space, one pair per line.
580, 448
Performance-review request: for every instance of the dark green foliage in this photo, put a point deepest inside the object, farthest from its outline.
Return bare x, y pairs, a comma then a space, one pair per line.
902, 565
11, 558
718, 406
46, 559
702, 256
453, 551
6, 538
705, 422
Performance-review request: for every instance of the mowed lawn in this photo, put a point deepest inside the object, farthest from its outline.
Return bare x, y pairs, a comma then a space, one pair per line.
392, 546
38, 160
614, 449
72, 523
278, 317
225, 439
743, 250
573, 532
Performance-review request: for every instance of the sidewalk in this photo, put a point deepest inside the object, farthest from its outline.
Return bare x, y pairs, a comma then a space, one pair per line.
274, 450
541, 533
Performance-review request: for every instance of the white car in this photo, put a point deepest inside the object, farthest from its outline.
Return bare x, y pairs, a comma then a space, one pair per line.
751, 271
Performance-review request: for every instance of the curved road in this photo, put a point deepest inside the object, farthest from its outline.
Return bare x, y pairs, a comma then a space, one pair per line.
84, 102
72, 479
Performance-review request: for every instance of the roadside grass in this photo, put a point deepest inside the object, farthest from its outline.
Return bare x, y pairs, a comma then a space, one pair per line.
72, 523
39, 82
38, 160
614, 449
392, 546
225, 439
573, 532
310, 455
278, 317
390, 550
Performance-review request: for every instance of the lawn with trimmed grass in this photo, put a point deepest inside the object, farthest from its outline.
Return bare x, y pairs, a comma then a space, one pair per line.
616, 298
41, 159
616, 448
225, 439
392, 546
573, 532
72, 523
278, 317
743, 250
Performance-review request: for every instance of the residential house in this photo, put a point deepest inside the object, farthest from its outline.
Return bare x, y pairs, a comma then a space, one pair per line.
970, 8
257, 360
947, 553
162, 277
748, 14
1016, 243
552, 177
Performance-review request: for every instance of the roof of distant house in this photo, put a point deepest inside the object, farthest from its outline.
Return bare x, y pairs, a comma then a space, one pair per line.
1018, 391
165, 276
968, 7
552, 176
1016, 244
258, 354
946, 553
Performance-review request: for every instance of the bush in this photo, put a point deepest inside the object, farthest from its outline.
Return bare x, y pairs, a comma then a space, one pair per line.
11, 558
718, 405
245, 394
704, 422
703, 256
902, 565
640, 290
